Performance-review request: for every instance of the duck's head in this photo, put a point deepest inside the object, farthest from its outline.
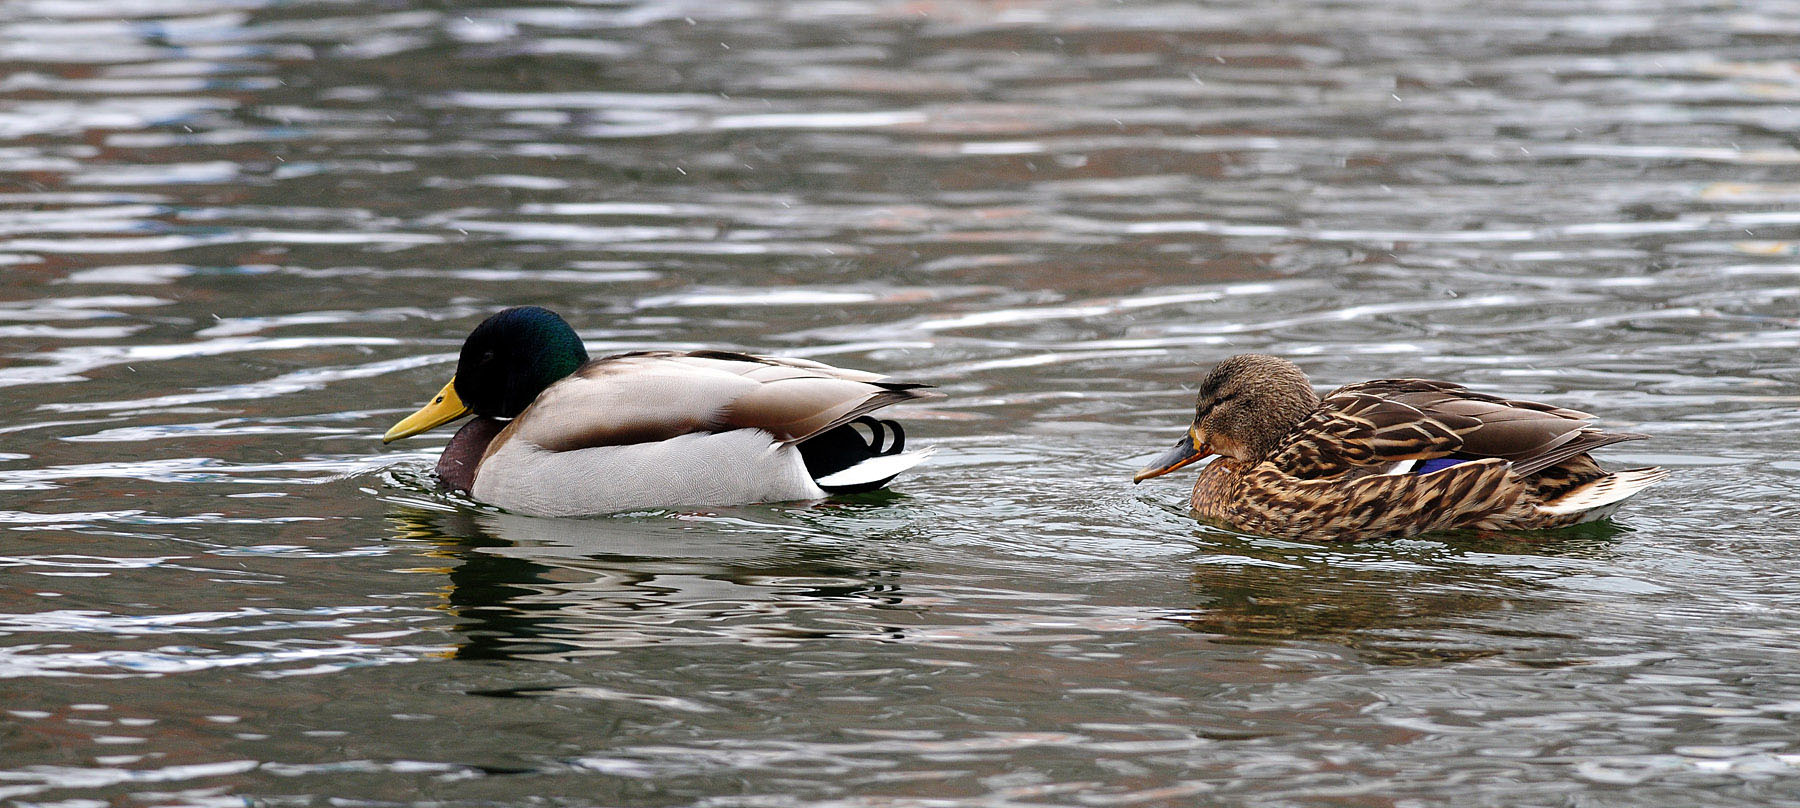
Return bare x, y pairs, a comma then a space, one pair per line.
505, 363
1246, 405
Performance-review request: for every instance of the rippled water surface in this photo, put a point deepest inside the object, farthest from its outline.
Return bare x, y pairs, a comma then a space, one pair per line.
240, 238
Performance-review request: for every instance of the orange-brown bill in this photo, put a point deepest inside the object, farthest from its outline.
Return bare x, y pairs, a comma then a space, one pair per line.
1182, 454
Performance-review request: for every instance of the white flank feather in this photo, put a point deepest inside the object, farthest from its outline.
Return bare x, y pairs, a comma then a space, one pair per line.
700, 469
880, 467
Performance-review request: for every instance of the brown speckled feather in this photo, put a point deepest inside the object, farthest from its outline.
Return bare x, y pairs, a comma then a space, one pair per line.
1375, 424
1345, 467
1264, 500
1358, 433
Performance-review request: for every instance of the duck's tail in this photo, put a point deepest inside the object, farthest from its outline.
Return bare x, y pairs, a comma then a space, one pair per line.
873, 473
842, 461
1598, 499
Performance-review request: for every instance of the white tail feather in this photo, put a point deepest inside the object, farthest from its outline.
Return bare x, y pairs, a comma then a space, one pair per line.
875, 468
1611, 490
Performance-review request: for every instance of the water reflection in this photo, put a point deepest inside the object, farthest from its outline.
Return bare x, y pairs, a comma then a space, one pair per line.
1448, 598
240, 235
548, 589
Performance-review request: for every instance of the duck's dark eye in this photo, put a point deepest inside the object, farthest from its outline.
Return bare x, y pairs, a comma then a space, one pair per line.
1213, 404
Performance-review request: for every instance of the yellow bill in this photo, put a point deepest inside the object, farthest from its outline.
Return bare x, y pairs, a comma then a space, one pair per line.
442, 410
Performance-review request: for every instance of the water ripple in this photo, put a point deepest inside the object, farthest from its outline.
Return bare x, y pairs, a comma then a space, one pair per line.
243, 237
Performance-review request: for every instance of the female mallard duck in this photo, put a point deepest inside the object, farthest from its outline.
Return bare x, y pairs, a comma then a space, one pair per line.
1393, 457
558, 435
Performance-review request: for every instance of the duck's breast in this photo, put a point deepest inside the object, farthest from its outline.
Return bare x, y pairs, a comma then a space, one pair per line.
456, 466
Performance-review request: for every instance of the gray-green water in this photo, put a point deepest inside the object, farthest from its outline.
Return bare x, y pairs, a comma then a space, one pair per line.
242, 237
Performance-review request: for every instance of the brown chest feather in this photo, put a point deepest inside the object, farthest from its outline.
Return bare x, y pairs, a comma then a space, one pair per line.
456, 466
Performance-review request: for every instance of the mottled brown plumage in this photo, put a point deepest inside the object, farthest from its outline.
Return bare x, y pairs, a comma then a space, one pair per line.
1348, 466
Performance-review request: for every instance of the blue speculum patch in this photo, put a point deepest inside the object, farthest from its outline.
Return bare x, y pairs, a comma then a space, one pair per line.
1437, 464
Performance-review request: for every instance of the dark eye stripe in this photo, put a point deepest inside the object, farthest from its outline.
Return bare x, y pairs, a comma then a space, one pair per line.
1216, 402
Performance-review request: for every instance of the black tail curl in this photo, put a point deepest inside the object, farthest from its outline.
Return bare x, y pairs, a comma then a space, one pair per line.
837, 449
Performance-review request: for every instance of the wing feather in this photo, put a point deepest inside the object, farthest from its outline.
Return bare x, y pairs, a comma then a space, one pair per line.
652, 396
797, 409
1363, 427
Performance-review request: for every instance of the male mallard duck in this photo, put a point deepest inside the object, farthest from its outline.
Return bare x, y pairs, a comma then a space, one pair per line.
558, 435
1393, 457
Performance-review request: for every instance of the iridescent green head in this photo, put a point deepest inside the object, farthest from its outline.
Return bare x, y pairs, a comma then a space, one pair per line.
512, 356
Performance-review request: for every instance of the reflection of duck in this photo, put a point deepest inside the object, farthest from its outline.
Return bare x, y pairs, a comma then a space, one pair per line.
1393, 457
1401, 603
532, 587
558, 435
